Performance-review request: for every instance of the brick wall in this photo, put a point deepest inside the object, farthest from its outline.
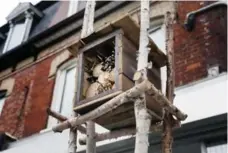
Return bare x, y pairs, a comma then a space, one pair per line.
204, 46
24, 112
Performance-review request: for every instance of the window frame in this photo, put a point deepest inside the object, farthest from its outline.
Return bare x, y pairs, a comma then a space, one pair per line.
159, 25
12, 42
2, 100
59, 89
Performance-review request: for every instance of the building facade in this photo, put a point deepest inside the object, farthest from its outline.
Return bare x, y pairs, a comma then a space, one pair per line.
37, 71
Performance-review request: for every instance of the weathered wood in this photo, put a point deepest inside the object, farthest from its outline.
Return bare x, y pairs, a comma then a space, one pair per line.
143, 121
72, 142
142, 117
91, 136
155, 115
99, 41
87, 27
56, 115
126, 96
62, 118
80, 108
103, 109
164, 102
167, 138
119, 133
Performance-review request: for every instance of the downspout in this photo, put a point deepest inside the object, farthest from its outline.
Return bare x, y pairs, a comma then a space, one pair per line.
190, 17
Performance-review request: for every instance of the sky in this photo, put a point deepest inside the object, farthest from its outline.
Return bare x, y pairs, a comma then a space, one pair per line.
6, 6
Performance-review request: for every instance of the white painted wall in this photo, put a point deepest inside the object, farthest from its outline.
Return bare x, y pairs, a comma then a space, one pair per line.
199, 100
204, 98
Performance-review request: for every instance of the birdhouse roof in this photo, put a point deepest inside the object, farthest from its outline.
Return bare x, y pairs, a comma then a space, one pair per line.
132, 31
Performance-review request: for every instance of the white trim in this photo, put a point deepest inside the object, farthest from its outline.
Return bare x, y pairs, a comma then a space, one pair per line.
8, 38
59, 88
2, 103
73, 7
200, 81
158, 35
28, 25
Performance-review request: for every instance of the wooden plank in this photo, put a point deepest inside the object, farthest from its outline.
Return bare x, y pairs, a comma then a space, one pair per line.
105, 121
83, 107
80, 77
122, 124
125, 82
99, 41
132, 33
121, 109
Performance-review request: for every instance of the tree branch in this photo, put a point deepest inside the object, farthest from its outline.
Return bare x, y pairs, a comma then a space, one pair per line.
62, 118
167, 136
119, 133
91, 136
164, 102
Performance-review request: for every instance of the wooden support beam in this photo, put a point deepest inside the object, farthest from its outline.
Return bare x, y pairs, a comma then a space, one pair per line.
164, 102
155, 115
88, 21
91, 136
72, 142
142, 117
127, 96
119, 133
167, 135
56, 115
62, 118
103, 109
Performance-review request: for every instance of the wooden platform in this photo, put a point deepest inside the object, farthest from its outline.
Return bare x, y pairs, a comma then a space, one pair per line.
123, 116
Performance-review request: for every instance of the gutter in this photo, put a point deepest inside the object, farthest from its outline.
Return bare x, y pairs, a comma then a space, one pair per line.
190, 17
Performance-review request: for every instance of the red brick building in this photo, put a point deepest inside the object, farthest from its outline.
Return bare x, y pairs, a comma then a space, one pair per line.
34, 68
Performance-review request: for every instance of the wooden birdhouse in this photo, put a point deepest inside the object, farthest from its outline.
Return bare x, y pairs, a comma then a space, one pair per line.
106, 65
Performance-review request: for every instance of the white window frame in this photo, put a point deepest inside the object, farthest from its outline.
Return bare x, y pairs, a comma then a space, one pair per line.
59, 88
27, 24
217, 148
2, 103
163, 70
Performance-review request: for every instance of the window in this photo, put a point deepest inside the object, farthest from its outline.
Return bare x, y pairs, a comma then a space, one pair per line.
16, 36
20, 22
2, 99
157, 34
64, 91
2, 102
217, 148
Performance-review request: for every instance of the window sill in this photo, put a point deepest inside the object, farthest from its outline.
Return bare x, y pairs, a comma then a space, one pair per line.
200, 81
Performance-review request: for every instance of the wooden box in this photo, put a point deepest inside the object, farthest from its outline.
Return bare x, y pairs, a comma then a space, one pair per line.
106, 65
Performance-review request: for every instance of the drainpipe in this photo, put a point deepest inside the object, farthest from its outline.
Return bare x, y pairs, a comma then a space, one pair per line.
190, 17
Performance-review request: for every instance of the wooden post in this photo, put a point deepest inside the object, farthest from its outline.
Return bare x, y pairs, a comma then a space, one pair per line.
167, 138
87, 27
143, 119
91, 138
72, 143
